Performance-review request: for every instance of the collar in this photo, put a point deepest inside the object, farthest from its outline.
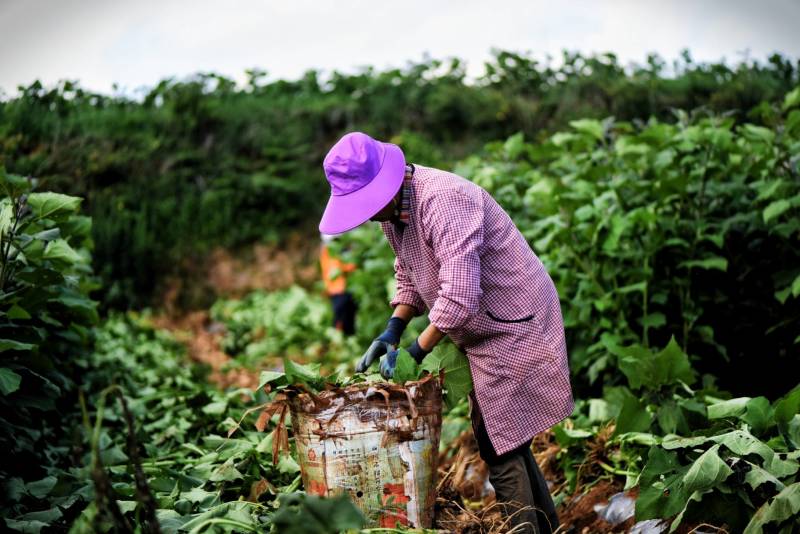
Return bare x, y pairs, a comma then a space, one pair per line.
402, 212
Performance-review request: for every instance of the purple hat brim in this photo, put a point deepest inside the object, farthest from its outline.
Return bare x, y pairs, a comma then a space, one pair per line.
345, 212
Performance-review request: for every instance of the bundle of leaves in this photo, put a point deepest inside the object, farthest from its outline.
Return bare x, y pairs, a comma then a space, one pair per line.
445, 361
294, 325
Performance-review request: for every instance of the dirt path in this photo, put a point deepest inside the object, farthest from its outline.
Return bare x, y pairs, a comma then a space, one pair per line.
202, 337
227, 274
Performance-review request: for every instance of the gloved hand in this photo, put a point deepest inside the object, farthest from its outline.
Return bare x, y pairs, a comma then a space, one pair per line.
390, 361
383, 344
388, 364
417, 352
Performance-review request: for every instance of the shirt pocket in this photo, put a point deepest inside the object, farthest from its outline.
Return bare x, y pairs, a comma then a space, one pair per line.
522, 345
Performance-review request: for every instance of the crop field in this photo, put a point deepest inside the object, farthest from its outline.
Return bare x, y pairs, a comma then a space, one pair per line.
142, 368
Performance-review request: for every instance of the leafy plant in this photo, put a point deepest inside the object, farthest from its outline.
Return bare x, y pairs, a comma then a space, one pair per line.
722, 478
46, 321
204, 162
662, 230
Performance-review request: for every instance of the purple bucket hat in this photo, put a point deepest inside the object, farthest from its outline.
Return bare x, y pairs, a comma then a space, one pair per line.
365, 175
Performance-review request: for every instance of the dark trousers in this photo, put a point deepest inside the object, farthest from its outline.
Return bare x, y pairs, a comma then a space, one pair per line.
518, 483
344, 312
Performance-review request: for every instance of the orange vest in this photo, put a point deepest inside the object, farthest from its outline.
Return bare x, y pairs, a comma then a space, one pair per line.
333, 272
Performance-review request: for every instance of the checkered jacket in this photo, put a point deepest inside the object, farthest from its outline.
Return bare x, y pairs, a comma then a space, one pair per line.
461, 258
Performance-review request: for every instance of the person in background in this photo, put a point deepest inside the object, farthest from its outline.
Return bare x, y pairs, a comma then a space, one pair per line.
461, 259
334, 276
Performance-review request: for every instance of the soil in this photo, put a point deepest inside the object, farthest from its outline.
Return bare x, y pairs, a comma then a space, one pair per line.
225, 273
466, 503
228, 274
202, 338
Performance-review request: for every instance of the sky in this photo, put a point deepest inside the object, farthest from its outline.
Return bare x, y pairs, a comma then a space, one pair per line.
136, 43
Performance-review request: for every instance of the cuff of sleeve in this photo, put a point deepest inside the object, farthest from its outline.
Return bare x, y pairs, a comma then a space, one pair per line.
408, 298
417, 352
447, 315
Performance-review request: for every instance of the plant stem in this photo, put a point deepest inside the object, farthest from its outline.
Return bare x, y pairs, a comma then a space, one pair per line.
614, 470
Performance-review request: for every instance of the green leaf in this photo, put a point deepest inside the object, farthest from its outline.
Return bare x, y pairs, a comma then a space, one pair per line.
170, 520
791, 431
676, 442
785, 409
10, 344
791, 99
783, 507
14, 488
768, 189
306, 374
41, 488
569, 436
796, 287
666, 486
758, 133
709, 263
6, 216
706, 472
792, 124
53, 205
17, 312
661, 492
299, 514
25, 526
645, 369
59, 250
457, 377
274, 378
633, 417
9, 381
13, 185
215, 408
287, 465
226, 472
48, 235
405, 369
755, 412
728, 408
783, 295
758, 414
775, 209
671, 419
127, 506
199, 496
743, 443
618, 225
514, 146
756, 476
654, 320
590, 127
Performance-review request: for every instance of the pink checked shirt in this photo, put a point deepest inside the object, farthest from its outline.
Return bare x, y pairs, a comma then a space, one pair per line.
462, 258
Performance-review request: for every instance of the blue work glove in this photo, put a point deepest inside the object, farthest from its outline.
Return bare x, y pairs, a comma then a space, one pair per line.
417, 352
388, 364
390, 361
383, 344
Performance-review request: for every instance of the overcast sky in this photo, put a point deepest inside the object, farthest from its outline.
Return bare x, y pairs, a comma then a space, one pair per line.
136, 43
